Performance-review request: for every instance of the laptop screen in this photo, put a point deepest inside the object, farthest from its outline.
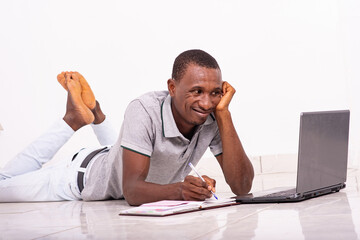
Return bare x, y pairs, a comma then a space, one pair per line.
323, 149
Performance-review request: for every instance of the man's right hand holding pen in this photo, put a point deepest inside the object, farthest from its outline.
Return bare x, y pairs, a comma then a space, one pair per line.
198, 188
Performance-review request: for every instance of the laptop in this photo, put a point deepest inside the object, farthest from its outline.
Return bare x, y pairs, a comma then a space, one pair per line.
322, 159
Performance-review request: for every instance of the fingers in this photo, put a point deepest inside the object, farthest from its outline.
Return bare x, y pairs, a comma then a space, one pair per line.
195, 189
228, 93
228, 89
210, 183
196, 181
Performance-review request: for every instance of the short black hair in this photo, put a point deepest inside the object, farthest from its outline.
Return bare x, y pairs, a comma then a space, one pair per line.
194, 56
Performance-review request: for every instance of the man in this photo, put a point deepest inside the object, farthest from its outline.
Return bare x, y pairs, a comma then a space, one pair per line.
161, 133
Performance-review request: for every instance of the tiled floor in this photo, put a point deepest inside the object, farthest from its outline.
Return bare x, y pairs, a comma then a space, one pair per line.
334, 216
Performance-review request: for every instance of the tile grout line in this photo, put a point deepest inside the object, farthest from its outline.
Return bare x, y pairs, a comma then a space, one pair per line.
56, 232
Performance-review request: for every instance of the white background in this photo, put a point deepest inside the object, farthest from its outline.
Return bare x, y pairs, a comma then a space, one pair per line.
283, 57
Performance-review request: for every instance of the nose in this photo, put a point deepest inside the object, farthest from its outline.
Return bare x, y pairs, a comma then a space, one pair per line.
206, 103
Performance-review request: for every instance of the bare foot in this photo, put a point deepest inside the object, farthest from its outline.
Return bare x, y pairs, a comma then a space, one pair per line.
87, 94
77, 113
61, 80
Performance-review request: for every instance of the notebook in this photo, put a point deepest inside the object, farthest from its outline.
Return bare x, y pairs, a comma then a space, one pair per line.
322, 159
171, 207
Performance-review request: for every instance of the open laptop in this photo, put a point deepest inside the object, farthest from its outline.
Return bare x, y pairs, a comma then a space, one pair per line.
322, 159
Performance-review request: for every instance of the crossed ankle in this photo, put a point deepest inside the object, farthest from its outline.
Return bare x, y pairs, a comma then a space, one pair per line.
98, 114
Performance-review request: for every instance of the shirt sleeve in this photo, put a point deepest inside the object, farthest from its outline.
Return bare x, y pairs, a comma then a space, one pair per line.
137, 133
216, 144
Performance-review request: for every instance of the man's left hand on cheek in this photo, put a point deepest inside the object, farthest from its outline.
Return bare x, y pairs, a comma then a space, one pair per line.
228, 93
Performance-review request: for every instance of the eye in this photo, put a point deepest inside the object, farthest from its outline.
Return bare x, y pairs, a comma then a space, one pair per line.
197, 91
216, 93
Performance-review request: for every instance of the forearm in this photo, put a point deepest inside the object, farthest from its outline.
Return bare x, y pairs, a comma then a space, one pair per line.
140, 192
236, 166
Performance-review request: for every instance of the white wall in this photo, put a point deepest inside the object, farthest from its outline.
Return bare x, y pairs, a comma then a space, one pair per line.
283, 57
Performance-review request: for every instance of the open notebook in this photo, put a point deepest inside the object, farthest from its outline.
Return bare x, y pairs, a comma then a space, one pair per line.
171, 207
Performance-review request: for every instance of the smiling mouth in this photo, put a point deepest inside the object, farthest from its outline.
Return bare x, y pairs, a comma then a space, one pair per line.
203, 113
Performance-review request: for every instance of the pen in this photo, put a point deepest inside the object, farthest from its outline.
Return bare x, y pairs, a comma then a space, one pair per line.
193, 168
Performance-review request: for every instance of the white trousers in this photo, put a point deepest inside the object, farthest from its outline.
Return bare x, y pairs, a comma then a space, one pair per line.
23, 179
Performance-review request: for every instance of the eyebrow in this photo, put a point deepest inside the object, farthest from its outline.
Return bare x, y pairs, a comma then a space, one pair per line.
199, 87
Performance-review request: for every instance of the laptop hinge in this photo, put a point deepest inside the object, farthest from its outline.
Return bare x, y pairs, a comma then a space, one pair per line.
323, 191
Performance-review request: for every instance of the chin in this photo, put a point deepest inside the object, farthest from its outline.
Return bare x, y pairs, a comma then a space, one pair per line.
199, 122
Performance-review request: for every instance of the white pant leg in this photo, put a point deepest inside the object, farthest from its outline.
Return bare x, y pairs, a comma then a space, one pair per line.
105, 133
51, 183
38, 152
47, 184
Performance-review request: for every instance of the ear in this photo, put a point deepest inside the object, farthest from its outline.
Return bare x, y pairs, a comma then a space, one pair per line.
171, 86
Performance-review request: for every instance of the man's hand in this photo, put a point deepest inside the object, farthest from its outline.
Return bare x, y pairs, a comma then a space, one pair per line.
228, 93
210, 182
194, 189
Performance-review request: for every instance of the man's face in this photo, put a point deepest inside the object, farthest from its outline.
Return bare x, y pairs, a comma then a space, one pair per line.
195, 96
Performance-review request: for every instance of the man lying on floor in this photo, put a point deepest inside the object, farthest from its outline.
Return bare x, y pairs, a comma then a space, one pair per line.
161, 134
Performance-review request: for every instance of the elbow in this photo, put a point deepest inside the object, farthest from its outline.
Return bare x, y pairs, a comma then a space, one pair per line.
241, 186
241, 189
131, 200
131, 196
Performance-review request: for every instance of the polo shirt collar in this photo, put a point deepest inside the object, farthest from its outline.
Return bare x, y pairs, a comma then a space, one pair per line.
169, 127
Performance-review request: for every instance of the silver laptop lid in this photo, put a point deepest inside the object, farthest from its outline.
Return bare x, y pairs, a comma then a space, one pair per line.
323, 149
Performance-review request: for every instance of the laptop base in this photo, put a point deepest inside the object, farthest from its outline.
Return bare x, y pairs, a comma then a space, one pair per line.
292, 197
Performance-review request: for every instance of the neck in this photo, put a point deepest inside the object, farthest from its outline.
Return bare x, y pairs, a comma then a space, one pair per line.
189, 134
186, 129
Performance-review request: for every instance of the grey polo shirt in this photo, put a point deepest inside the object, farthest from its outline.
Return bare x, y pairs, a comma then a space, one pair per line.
149, 129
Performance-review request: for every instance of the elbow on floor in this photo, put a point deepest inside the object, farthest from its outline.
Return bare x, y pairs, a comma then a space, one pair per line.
241, 187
